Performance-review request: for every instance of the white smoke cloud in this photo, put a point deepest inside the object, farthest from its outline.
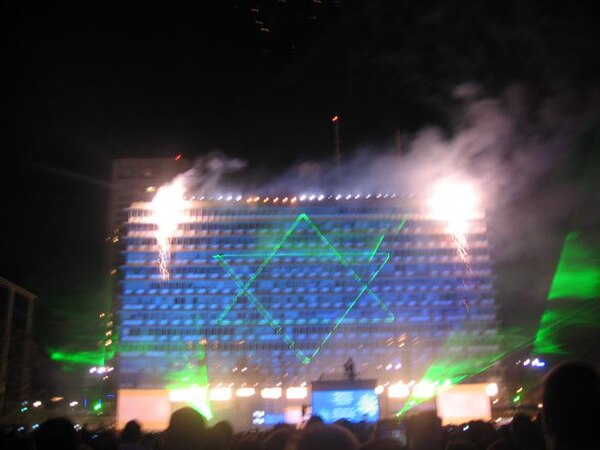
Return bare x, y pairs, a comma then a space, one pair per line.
509, 147
504, 144
207, 174
513, 148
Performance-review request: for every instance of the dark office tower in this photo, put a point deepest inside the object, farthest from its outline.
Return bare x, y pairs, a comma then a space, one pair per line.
16, 314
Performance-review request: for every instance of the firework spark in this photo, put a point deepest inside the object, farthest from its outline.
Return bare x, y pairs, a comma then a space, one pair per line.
455, 204
167, 207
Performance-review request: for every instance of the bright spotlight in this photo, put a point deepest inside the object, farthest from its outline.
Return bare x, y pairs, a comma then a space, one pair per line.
167, 208
271, 393
185, 395
399, 390
297, 392
245, 392
491, 389
220, 394
424, 389
455, 204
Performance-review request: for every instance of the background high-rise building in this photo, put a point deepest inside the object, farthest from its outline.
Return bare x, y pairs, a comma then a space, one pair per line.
285, 290
135, 180
132, 180
16, 316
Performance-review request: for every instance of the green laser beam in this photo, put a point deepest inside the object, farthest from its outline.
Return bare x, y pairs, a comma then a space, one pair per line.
271, 255
458, 367
380, 241
555, 319
578, 271
302, 217
270, 319
376, 247
244, 288
276, 324
222, 259
90, 358
401, 225
576, 283
195, 373
512, 340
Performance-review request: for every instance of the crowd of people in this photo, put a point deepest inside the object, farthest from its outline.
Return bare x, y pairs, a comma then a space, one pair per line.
570, 420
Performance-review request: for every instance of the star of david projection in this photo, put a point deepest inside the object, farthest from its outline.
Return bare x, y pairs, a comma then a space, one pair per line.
329, 251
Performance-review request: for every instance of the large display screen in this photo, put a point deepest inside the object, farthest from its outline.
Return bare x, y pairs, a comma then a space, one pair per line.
354, 405
150, 407
462, 403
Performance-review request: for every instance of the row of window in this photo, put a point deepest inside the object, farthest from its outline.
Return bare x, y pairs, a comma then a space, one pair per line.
315, 309
259, 209
324, 317
329, 228
461, 294
314, 333
434, 299
225, 285
304, 266
398, 256
300, 241
279, 348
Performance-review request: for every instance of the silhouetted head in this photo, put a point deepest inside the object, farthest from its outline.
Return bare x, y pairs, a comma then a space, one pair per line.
525, 433
424, 430
480, 433
249, 442
278, 439
503, 444
58, 433
224, 431
571, 408
219, 436
383, 443
186, 430
460, 445
327, 437
132, 432
314, 420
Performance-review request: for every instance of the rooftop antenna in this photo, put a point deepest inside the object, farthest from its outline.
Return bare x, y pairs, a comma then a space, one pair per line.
398, 143
335, 124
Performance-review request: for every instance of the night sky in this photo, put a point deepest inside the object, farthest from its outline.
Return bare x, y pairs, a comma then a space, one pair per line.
256, 80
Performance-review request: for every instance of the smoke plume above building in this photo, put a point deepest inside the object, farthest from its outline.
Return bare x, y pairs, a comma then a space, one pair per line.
515, 149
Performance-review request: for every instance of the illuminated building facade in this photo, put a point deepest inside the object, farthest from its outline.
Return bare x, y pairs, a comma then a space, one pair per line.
270, 290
